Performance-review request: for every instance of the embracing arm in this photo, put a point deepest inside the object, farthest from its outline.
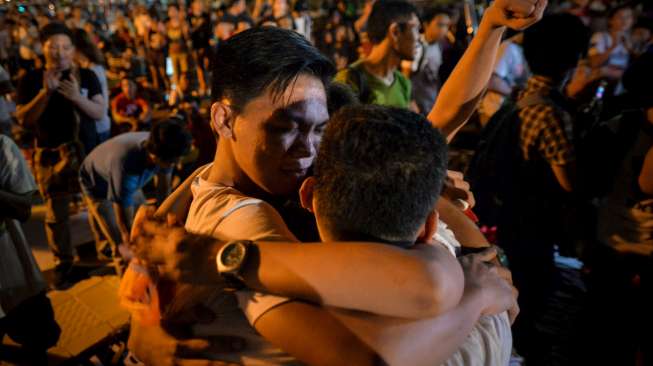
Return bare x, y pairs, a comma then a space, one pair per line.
466, 231
462, 90
317, 337
435, 277
373, 339
280, 268
414, 342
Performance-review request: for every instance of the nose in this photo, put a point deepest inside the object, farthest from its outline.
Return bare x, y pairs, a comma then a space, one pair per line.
305, 145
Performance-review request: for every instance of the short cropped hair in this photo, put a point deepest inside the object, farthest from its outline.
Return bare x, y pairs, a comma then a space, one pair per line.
251, 62
384, 13
554, 45
54, 28
169, 140
379, 172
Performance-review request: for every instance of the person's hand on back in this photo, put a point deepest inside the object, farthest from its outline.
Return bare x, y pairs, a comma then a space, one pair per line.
490, 283
179, 255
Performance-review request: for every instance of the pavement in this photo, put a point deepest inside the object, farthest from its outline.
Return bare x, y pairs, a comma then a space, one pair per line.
88, 313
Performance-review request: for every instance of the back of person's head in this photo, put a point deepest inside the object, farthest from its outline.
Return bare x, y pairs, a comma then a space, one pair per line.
384, 13
261, 59
169, 140
53, 29
554, 45
379, 172
86, 47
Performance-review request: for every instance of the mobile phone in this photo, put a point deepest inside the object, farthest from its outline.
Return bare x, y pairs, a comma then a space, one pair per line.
600, 90
65, 75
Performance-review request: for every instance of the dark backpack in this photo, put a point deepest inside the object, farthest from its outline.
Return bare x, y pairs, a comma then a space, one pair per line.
494, 169
356, 78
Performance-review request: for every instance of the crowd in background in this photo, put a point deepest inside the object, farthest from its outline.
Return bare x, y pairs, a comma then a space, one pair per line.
141, 90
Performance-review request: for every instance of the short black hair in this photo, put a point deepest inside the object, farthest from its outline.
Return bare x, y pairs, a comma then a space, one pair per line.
619, 7
252, 61
340, 95
384, 13
554, 45
379, 172
54, 28
431, 12
85, 46
169, 140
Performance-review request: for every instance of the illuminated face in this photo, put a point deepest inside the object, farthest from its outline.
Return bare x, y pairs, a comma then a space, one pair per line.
622, 20
128, 88
274, 142
173, 12
406, 43
437, 29
59, 51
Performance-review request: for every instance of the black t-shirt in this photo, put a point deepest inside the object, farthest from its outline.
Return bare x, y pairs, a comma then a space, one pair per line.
200, 31
56, 125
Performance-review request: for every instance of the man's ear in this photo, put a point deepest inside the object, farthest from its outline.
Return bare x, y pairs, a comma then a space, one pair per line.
394, 31
222, 118
430, 227
306, 193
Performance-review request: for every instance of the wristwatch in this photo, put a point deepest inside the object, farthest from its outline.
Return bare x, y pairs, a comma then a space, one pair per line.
231, 260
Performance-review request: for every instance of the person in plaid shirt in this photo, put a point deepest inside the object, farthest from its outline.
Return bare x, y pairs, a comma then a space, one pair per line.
545, 175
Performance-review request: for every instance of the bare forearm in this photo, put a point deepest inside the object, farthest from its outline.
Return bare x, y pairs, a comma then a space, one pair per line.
29, 113
365, 273
414, 342
463, 89
466, 231
92, 108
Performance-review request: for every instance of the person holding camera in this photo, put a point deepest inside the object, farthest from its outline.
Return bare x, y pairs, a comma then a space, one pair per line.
61, 104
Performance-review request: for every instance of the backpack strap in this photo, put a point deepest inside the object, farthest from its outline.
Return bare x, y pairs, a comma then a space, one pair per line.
355, 77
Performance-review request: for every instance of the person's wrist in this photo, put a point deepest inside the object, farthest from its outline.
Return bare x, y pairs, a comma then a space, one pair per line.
491, 20
214, 248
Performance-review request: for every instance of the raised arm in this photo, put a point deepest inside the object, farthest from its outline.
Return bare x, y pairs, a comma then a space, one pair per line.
463, 89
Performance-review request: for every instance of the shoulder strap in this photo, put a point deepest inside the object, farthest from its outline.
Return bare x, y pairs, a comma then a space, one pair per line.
356, 77
239, 205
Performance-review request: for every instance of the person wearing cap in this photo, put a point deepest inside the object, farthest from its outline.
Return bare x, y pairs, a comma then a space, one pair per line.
60, 103
113, 174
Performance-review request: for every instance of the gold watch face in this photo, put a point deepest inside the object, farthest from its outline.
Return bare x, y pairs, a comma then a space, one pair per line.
233, 255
